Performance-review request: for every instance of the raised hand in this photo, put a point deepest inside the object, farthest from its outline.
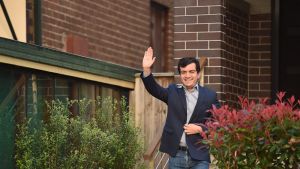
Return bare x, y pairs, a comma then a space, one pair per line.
148, 61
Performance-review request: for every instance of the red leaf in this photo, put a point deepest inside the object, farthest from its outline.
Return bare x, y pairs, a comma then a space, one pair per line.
280, 95
291, 100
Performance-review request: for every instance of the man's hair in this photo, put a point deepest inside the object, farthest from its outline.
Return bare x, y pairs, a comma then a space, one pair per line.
183, 62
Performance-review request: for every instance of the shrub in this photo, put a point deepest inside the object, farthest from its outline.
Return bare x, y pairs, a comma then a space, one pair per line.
105, 138
257, 136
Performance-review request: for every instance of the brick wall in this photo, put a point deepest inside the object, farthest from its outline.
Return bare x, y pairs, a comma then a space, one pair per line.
115, 31
218, 30
260, 56
235, 58
198, 34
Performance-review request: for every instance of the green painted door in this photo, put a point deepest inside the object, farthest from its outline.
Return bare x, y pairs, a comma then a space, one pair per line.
11, 107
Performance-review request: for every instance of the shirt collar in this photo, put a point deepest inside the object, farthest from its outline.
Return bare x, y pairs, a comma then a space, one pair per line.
182, 86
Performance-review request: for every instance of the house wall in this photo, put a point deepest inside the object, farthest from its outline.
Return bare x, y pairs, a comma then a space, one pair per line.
113, 31
198, 34
16, 10
235, 36
235, 58
260, 56
218, 30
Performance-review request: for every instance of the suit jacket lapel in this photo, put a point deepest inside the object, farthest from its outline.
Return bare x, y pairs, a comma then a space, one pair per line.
200, 103
181, 95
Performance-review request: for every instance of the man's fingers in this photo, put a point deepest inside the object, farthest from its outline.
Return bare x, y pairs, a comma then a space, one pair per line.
150, 50
153, 59
149, 53
188, 133
191, 129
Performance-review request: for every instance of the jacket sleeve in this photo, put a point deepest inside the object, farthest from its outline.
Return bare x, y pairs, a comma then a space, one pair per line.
154, 88
216, 103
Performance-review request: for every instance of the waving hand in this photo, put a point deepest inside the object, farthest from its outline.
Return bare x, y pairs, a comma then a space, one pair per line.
148, 61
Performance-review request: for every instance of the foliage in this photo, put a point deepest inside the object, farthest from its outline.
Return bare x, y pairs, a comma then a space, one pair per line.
258, 136
105, 138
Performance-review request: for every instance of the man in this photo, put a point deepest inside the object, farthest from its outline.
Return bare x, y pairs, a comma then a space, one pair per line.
188, 106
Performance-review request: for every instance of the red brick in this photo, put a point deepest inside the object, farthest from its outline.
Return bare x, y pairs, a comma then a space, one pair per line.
210, 19
254, 25
179, 45
260, 33
185, 36
265, 55
184, 53
210, 36
214, 79
179, 3
185, 19
265, 40
254, 55
197, 45
210, 53
265, 71
254, 86
196, 10
265, 86
215, 44
216, 27
262, 78
179, 28
213, 70
209, 2
215, 87
77, 45
254, 40
196, 27
215, 10
253, 70
214, 62
259, 94
179, 11
259, 47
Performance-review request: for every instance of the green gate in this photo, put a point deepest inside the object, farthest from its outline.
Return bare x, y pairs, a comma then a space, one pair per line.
12, 87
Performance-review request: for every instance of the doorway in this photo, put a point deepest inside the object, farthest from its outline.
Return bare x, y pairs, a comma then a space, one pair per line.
286, 45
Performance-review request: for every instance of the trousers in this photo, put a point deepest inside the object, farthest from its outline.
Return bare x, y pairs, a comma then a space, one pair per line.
183, 160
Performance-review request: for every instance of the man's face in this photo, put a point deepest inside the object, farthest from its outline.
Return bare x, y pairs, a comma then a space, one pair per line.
189, 76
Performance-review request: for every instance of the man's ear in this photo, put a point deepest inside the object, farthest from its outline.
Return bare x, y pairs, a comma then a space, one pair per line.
198, 75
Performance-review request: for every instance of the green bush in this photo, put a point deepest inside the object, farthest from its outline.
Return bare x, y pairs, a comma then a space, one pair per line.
103, 138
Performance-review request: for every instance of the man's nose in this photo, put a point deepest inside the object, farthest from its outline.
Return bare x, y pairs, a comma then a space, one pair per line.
188, 74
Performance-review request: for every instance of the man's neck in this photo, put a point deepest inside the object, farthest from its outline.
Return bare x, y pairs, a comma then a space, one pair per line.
192, 88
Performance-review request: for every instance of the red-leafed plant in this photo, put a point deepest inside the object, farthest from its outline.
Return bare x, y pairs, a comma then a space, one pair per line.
257, 136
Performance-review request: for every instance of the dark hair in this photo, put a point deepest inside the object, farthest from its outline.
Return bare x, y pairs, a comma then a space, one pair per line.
183, 62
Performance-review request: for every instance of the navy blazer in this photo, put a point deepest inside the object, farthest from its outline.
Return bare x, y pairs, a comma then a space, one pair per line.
174, 97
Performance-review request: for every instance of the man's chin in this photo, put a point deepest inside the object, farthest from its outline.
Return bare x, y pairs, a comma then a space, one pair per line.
189, 86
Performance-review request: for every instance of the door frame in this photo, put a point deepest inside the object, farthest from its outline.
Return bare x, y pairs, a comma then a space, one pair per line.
275, 5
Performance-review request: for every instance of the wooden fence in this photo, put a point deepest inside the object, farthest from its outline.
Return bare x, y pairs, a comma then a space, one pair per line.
150, 113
